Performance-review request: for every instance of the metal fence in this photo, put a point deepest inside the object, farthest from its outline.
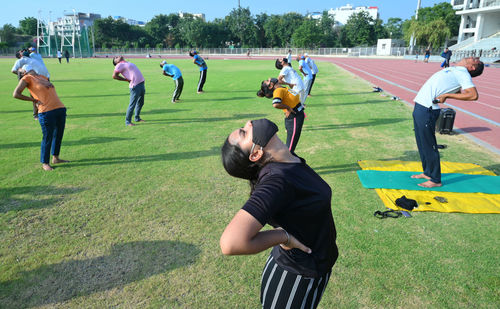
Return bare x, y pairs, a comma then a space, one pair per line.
354, 51
481, 53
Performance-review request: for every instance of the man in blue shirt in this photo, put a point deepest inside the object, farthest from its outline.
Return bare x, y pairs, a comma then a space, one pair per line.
306, 72
450, 83
174, 72
203, 69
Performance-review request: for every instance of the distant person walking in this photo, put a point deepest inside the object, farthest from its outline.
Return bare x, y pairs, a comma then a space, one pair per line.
314, 69
66, 55
203, 69
289, 57
174, 72
449, 83
446, 54
51, 114
427, 55
59, 56
131, 74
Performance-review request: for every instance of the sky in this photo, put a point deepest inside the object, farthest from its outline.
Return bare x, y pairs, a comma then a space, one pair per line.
144, 10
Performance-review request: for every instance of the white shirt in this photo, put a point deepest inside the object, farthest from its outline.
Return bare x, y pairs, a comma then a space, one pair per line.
291, 77
289, 58
312, 65
307, 70
448, 80
29, 64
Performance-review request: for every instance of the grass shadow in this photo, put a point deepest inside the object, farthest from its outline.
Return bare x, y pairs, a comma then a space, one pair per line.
474, 129
125, 263
192, 120
32, 197
140, 159
373, 122
83, 141
332, 169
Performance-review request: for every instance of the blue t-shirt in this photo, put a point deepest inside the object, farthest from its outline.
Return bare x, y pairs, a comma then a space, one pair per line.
200, 62
306, 69
171, 69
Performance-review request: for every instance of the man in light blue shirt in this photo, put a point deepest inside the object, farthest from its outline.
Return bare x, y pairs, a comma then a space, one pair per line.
174, 72
306, 72
450, 83
314, 70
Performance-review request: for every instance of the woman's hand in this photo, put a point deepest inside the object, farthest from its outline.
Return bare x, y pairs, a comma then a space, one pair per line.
293, 242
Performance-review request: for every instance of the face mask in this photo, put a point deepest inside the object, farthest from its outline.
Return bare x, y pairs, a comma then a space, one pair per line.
263, 130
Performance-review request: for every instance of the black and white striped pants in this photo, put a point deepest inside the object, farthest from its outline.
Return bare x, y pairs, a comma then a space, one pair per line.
203, 78
282, 289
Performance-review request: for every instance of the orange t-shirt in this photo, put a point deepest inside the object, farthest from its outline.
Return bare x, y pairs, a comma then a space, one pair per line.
46, 95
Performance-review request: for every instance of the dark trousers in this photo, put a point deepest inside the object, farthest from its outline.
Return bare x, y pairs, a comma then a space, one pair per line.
52, 123
282, 289
424, 122
312, 83
179, 85
136, 102
203, 78
293, 125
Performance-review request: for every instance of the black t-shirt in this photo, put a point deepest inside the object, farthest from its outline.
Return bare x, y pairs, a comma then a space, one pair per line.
293, 196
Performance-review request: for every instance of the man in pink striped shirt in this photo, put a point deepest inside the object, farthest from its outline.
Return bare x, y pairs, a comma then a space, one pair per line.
131, 74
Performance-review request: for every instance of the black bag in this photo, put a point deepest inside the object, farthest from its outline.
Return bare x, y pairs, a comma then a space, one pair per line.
444, 124
406, 203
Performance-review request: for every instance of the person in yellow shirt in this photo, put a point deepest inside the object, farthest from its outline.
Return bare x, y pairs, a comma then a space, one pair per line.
51, 114
289, 101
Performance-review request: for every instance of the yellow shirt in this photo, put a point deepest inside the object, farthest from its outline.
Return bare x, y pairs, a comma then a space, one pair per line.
286, 96
39, 88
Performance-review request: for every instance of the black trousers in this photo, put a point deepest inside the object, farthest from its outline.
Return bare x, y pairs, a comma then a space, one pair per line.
203, 78
282, 289
179, 85
312, 83
424, 122
293, 125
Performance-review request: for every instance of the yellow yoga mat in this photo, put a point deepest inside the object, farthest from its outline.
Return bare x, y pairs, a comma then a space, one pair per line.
457, 202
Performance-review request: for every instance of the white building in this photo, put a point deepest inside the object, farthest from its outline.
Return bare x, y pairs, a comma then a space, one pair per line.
342, 14
197, 15
129, 21
480, 18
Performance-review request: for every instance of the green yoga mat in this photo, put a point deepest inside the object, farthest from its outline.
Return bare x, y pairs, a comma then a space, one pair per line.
463, 183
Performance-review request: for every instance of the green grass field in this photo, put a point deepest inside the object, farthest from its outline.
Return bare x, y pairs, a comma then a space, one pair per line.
134, 220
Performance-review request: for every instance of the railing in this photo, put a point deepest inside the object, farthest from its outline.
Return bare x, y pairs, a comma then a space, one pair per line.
482, 53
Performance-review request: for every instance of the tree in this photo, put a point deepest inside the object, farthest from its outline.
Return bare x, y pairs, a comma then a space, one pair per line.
394, 27
308, 34
28, 25
241, 24
359, 30
432, 34
7, 35
260, 21
327, 28
272, 28
441, 11
289, 22
164, 29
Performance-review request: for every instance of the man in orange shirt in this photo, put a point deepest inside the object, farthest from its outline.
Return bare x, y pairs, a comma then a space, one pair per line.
51, 114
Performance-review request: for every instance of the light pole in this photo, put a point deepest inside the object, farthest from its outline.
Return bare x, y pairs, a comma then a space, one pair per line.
412, 39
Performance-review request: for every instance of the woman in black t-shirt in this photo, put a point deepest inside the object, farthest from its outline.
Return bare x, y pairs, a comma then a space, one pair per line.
288, 195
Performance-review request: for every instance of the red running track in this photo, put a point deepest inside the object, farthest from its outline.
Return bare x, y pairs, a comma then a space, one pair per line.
478, 120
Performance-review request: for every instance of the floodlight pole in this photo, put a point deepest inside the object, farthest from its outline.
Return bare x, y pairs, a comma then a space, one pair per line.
413, 39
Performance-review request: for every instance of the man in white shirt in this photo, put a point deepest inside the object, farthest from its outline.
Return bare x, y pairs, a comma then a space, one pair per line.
306, 72
450, 83
291, 78
28, 63
314, 70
